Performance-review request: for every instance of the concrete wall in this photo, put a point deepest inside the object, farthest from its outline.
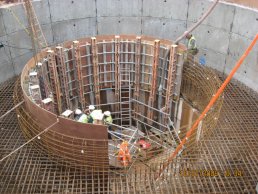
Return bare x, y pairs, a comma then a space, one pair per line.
222, 38
225, 35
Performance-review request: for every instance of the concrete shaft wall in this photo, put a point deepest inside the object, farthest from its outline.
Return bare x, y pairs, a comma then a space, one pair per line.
222, 38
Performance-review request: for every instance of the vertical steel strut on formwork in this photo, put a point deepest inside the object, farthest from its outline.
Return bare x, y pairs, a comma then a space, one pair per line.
69, 73
95, 69
137, 73
117, 71
170, 82
170, 91
54, 81
90, 71
125, 91
179, 72
43, 78
153, 91
162, 82
60, 59
104, 47
78, 64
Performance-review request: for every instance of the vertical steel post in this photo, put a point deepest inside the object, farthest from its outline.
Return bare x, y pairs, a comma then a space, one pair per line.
95, 69
153, 91
78, 64
117, 71
60, 59
137, 73
170, 82
54, 81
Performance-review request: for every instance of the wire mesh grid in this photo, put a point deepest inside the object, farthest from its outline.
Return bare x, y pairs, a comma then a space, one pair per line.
224, 161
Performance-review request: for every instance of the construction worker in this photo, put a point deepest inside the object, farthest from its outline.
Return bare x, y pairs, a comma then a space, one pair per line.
90, 117
80, 116
107, 118
91, 108
77, 114
123, 154
107, 121
88, 113
96, 115
191, 47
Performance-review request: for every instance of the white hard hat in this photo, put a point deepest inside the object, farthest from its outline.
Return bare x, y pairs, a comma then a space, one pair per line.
107, 113
92, 107
78, 111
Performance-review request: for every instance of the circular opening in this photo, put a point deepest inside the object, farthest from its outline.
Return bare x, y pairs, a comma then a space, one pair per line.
128, 76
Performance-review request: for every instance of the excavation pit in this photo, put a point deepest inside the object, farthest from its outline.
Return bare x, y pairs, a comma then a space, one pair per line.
137, 79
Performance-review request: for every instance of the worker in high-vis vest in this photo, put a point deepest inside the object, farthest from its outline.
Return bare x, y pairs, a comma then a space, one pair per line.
191, 47
123, 154
107, 118
91, 108
107, 121
80, 116
89, 113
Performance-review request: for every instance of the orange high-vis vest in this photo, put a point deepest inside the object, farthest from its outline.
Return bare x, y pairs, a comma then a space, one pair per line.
123, 155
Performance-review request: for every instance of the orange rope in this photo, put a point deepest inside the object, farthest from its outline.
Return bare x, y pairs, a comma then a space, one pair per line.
212, 101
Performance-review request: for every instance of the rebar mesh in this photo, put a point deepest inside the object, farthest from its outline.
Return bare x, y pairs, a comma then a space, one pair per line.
226, 158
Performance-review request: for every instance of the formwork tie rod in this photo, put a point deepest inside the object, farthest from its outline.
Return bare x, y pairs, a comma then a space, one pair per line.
208, 107
17, 105
17, 149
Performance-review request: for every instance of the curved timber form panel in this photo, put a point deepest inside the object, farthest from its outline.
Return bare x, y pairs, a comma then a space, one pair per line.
122, 74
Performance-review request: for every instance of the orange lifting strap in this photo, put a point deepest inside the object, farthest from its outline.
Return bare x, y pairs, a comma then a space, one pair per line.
213, 100
123, 155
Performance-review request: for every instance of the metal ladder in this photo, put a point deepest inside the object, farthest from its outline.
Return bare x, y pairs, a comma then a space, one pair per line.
125, 97
37, 36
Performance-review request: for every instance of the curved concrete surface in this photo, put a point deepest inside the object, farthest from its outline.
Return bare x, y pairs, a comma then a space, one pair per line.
222, 38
